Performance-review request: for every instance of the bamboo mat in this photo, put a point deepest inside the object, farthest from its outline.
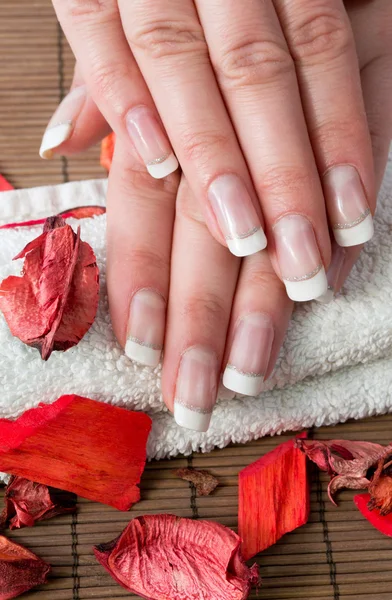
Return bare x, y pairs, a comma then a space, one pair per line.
336, 555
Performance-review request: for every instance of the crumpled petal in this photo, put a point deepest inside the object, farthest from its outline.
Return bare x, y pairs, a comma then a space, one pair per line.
204, 482
27, 502
54, 303
344, 481
20, 569
343, 457
380, 489
164, 557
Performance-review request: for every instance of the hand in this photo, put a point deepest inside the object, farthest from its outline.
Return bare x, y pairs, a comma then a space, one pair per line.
203, 275
262, 104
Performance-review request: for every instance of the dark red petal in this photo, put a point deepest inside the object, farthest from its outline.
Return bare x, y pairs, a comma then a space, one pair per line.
163, 557
79, 445
20, 569
382, 523
27, 502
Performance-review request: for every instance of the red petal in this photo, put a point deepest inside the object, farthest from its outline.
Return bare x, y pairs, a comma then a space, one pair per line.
27, 502
107, 151
382, 523
344, 457
79, 445
20, 569
273, 498
163, 557
83, 212
54, 303
5, 185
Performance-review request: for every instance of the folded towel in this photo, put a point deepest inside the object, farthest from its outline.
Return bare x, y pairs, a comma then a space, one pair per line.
336, 362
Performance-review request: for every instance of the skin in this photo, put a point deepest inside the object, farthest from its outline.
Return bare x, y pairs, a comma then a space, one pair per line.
158, 230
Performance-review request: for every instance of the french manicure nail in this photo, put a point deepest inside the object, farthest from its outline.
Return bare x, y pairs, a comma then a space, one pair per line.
348, 210
335, 268
62, 123
146, 328
151, 142
249, 354
196, 388
236, 215
299, 258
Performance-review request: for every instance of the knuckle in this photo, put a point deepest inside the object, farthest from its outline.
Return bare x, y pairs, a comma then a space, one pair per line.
106, 78
283, 181
261, 280
206, 308
86, 9
323, 34
202, 146
162, 39
146, 260
254, 63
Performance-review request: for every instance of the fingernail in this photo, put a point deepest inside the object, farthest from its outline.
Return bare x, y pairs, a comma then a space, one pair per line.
299, 258
348, 210
151, 142
249, 354
196, 388
236, 215
62, 123
335, 268
146, 328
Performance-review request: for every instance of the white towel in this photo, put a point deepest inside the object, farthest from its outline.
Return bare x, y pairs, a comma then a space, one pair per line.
336, 362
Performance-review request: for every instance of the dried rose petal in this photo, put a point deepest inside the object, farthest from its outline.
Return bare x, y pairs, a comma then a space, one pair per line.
83, 212
343, 457
27, 502
107, 151
380, 489
54, 303
163, 557
381, 522
20, 569
204, 482
274, 498
5, 185
347, 462
344, 481
90, 448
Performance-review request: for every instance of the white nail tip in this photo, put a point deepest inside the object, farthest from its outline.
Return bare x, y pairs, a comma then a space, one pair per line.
142, 354
54, 137
191, 419
309, 289
361, 233
166, 167
241, 383
247, 245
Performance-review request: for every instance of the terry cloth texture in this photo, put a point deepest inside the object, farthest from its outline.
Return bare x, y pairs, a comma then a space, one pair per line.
336, 362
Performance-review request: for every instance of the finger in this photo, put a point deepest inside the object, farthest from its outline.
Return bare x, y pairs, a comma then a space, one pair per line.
140, 214
167, 41
94, 30
377, 90
322, 44
258, 80
76, 124
259, 320
203, 278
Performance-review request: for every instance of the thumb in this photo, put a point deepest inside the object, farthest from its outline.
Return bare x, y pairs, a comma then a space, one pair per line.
76, 124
